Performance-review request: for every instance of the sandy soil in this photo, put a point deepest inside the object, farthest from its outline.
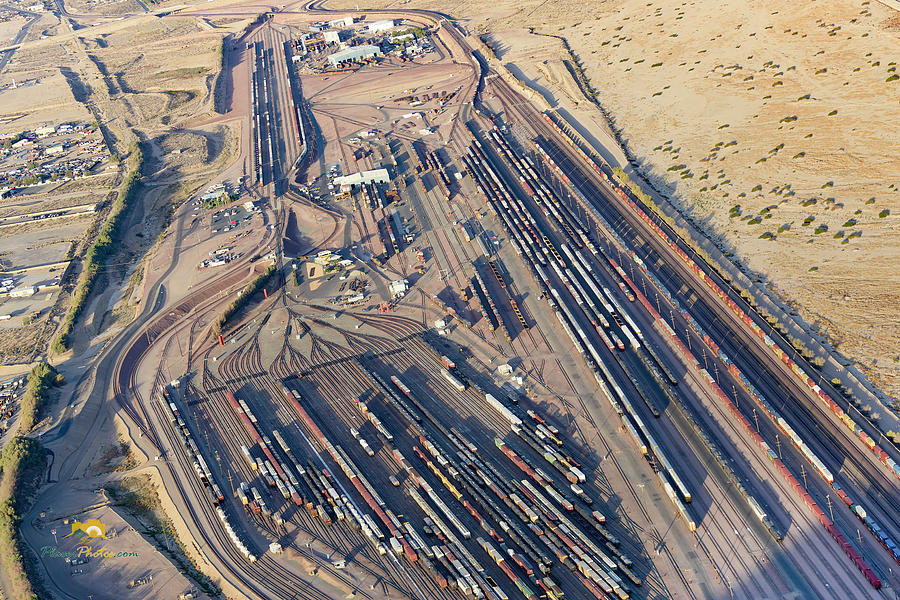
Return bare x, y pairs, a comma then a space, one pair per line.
21, 109
732, 109
103, 7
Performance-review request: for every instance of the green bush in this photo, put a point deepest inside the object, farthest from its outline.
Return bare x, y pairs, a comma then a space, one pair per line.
243, 298
104, 245
20, 457
40, 379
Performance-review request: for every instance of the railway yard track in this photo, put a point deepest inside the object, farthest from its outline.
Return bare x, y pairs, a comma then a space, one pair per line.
651, 443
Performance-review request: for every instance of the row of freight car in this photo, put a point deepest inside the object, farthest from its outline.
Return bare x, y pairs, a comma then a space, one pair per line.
204, 475
624, 279
518, 498
575, 230
297, 482
817, 464
797, 370
359, 482
262, 106
480, 478
796, 440
295, 110
535, 250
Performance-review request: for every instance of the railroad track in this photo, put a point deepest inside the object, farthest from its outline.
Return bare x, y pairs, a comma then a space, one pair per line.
776, 389
257, 396
720, 576
275, 576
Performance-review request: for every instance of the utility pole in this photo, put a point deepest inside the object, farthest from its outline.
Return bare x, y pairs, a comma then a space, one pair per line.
756, 419
830, 509
778, 445
803, 474
687, 333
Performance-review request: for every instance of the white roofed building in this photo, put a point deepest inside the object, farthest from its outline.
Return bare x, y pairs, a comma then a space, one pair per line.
379, 26
364, 177
399, 288
344, 22
354, 53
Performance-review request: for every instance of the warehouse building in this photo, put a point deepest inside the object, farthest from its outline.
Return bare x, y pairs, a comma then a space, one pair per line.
354, 53
344, 22
364, 177
379, 26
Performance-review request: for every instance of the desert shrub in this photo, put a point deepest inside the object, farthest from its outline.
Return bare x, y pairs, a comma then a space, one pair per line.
20, 458
40, 379
103, 246
243, 298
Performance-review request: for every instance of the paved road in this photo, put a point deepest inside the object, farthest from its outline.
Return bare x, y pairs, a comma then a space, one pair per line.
6, 56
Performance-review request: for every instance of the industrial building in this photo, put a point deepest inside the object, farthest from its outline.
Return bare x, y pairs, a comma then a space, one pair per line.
379, 26
354, 53
344, 22
332, 37
399, 288
364, 177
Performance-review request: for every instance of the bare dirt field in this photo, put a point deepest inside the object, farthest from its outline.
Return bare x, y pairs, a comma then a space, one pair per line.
771, 127
130, 562
103, 7
20, 109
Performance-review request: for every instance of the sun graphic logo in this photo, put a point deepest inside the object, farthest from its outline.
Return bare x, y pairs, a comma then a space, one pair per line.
91, 528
